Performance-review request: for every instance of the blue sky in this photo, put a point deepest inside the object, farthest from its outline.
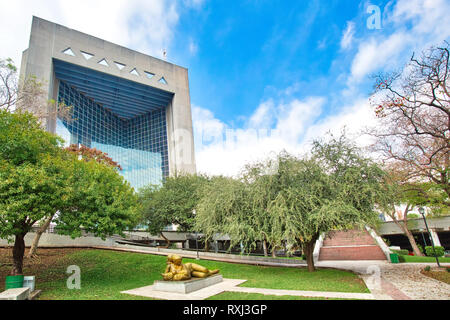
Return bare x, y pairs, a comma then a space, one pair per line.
294, 69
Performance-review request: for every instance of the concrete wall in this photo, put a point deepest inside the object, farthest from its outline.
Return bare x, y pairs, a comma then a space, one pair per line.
55, 240
438, 224
48, 41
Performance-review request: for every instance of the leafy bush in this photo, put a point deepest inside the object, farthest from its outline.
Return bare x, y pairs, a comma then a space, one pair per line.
427, 268
439, 251
402, 252
413, 216
401, 258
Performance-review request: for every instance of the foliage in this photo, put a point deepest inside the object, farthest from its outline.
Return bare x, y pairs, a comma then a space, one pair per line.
413, 108
436, 252
100, 201
27, 95
427, 268
418, 259
39, 178
22, 139
335, 188
401, 252
30, 192
172, 203
88, 154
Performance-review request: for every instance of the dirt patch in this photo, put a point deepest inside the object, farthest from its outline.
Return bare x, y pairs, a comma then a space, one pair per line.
440, 274
34, 266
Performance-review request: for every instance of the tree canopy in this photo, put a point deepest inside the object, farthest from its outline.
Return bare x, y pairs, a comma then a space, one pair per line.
334, 188
39, 178
173, 202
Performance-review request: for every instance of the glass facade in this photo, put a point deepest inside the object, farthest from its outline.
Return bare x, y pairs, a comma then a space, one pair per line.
138, 144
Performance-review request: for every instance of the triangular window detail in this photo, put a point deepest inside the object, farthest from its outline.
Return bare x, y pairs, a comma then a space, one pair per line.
119, 65
69, 52
162, 80
134, 72
149, 74
103, 62
86, 55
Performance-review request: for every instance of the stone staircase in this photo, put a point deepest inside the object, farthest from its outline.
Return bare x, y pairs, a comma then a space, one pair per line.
350, 245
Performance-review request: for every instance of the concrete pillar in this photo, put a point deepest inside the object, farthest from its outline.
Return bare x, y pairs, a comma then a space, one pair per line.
434, 235
186, 244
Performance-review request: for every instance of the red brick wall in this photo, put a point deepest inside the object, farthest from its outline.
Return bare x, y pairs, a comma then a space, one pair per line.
350, 245
351, 253
346, 238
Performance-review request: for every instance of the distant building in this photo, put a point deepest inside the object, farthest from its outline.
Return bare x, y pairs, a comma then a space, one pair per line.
130, 105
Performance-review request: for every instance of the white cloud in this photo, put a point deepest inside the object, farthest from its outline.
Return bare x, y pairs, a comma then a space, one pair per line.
193, 47
429, 26
146, 26
347, 36
297, 124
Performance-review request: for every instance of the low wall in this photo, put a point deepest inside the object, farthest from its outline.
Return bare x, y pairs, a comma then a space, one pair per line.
55, 240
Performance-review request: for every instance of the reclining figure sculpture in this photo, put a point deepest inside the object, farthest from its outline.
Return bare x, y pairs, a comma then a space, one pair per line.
178, 271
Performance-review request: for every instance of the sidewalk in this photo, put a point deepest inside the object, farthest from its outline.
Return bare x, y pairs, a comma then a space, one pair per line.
395, 281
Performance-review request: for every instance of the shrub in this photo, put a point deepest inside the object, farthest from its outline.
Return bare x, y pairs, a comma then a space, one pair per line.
420, 248
427, 268
439, 251
401, 258
402, 252
413, 216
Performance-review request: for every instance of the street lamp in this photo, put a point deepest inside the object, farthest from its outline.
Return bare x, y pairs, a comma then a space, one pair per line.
422, 212
196, 244
194, 212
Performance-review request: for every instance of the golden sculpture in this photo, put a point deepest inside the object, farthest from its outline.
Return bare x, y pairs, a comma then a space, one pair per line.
178, 271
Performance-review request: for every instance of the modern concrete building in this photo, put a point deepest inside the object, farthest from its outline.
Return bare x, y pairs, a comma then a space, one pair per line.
130, 105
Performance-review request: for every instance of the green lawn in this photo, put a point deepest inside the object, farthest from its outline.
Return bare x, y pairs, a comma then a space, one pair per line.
424, 259
259, 296
105, 273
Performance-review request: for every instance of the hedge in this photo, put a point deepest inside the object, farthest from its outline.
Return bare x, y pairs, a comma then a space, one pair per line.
439, 251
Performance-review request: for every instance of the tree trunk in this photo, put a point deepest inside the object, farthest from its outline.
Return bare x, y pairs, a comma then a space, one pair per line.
206, 245
18, 253
274, 249
39, 233
404, 227
167, 240
265, 247
308, 251
410, 237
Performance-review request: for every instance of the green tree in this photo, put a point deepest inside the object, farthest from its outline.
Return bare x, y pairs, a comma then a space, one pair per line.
295, 202
39, 178
172, 203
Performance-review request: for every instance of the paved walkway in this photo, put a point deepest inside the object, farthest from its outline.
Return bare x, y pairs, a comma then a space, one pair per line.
402, 281
232, 285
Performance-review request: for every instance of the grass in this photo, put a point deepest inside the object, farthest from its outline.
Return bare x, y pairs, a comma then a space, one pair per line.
105, 273
424, 259
259, 296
